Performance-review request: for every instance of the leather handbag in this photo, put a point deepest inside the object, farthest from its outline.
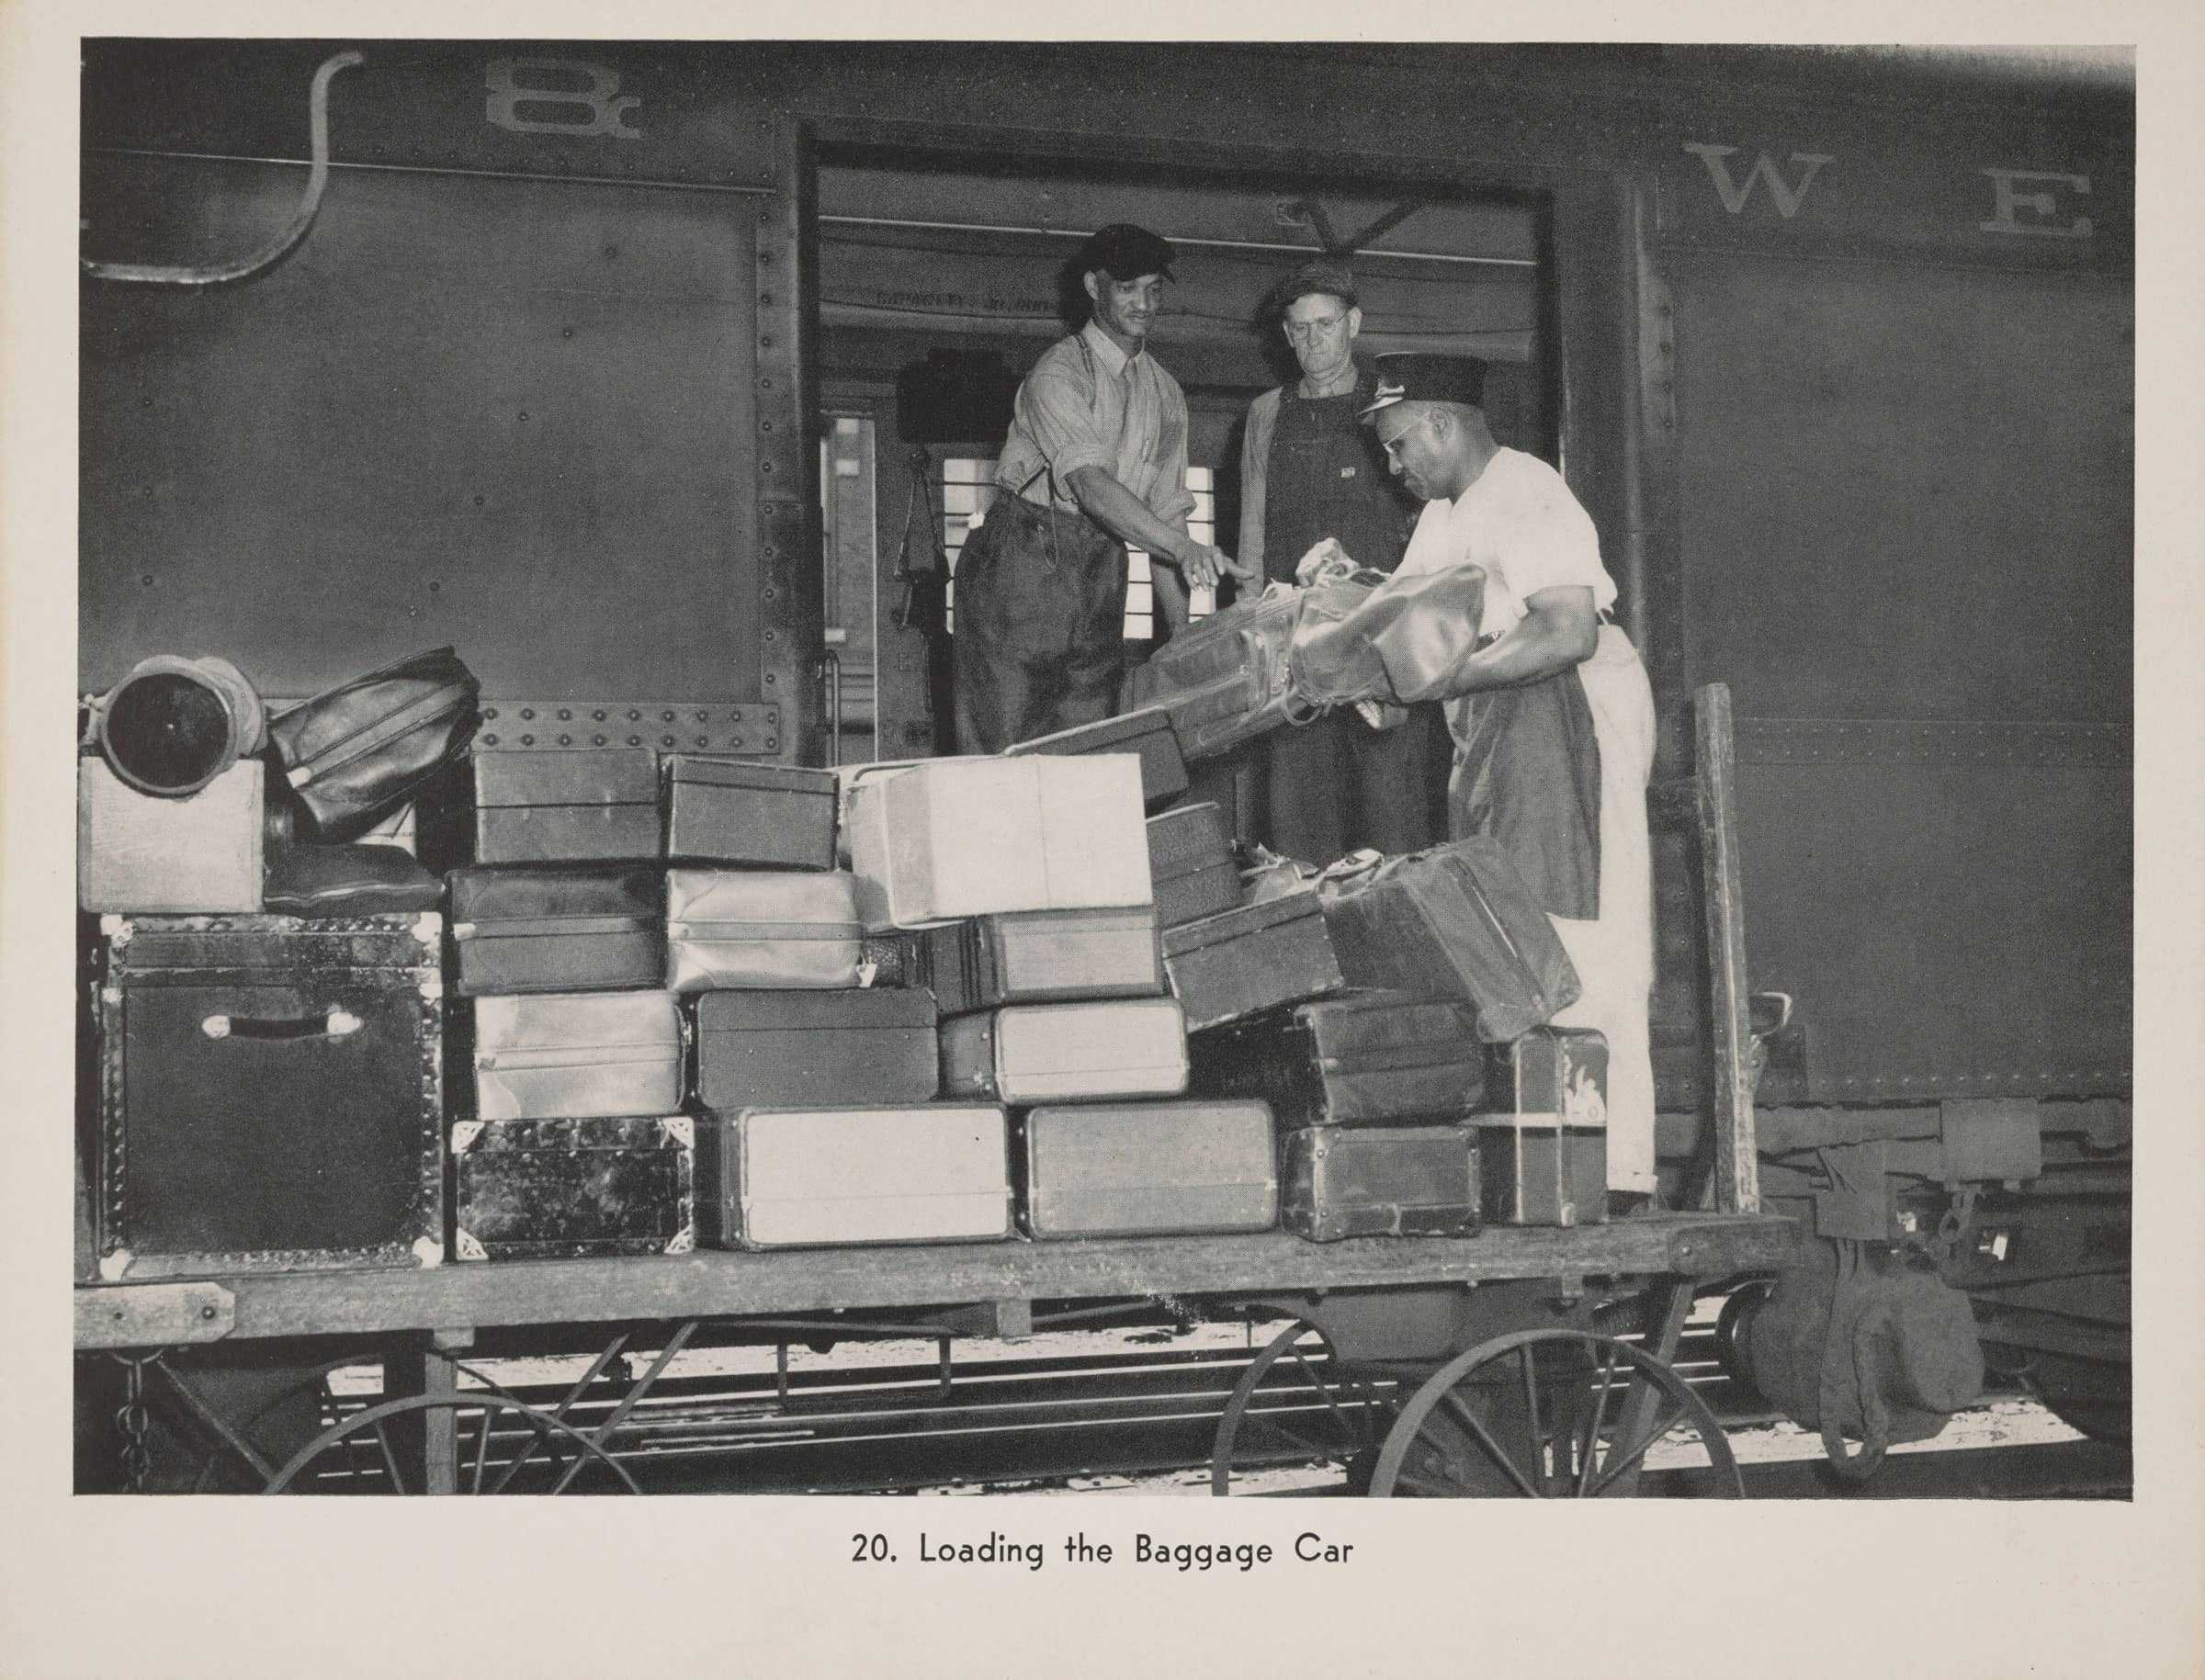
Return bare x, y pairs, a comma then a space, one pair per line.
1400, 643
1225, 681
353, 752
348, 880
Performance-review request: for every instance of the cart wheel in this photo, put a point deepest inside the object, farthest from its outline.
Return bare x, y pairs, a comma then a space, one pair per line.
1324, 1411
504, 1438
1542, 1414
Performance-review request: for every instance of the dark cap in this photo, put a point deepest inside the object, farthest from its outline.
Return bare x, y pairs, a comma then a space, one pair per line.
1324, 276
1125, 252
1415, 375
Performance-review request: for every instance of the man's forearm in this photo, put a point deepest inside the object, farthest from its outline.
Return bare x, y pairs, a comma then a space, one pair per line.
1124, 515
1536, 646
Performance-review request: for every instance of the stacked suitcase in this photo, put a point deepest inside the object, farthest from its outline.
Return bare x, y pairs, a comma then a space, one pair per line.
749, 1005
1035, 929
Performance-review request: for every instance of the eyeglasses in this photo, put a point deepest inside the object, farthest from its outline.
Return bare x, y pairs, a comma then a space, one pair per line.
1301, 332
1416, 419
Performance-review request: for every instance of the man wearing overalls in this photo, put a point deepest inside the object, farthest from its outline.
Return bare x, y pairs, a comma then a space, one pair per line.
1096, 459
1310, 470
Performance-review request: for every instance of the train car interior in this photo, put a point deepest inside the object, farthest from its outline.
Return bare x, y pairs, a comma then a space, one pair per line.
945, 284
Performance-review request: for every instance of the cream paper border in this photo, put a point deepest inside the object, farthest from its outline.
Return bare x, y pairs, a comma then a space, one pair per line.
709, 1587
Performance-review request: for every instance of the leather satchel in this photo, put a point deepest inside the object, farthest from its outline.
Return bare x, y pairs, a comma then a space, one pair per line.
348, 880
1401, 643
352, 753
1453, 921
1225, 682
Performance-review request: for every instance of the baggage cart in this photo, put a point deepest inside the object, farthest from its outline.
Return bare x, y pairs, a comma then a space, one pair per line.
1522, 1359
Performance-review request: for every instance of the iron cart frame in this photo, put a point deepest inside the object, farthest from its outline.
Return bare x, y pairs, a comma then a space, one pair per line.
1429, 1336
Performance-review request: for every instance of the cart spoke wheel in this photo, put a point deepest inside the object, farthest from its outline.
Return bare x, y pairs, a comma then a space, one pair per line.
1547, 1413
493, 1433
1298, 1402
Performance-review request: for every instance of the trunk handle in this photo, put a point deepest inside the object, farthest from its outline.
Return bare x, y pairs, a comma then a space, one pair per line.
336, 1023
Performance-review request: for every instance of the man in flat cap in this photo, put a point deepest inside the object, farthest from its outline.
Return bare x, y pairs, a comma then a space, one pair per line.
1309, 470
1552, 715
1096, 459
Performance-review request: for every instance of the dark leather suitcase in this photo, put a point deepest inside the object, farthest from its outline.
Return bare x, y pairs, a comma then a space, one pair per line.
1453, 921
1355, 1058
559, 930
738, 811
577, 1055
793, 1178
1545, 1129
765, 930
1191, 865
1040, 957
1231, 966
1340, 1181
543, 1190
1066, 1052
1223, 682
1146, 1169
364, 747
1146, 734
591, 806
271, 1095
791, 1049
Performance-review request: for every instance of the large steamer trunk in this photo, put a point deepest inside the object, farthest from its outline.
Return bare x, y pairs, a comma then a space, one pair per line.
272, 1095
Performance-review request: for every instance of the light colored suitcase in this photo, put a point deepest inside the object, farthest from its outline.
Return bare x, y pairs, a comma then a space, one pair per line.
577, 1055
795, 1177
1146, 1170
200, 855
849, 778
975, 837
761, 930
1065, 1051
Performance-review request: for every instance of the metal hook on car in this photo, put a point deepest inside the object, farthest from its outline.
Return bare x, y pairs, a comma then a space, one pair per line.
216, 273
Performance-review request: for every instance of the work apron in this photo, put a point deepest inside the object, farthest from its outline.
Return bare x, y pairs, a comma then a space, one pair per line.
1577, 830
1039, 643
1336, 784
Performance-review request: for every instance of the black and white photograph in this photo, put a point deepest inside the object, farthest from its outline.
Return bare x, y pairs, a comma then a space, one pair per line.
1106, 771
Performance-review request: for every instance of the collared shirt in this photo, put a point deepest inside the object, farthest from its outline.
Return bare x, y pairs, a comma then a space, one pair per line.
1087, 403
1519, 523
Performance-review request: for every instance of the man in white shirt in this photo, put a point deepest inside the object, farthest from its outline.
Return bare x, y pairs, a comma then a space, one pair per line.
1552, 715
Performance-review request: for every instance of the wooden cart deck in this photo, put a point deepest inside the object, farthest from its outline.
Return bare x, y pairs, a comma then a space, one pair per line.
717, 1285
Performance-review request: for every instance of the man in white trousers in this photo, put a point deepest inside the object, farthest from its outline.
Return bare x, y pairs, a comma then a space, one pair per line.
1552, 715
